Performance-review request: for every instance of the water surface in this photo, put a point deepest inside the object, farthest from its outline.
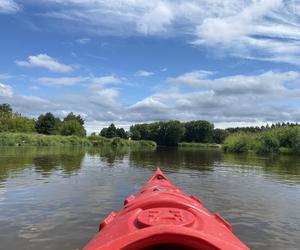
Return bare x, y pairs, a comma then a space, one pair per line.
54, 198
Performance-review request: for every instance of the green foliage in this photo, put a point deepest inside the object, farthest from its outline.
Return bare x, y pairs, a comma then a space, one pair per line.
267, 143
5, 109
73, 127
119, 142
167, 133
71, 116
103, 132
22, 139
48, 124
219, 135
14, 122
111, 131
122, 133
238, 143
285, 140
135, 133
198, 145
198, 131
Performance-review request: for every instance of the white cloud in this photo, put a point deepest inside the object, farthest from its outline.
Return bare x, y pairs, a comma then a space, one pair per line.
5, 90
238, 98
9, 6
262, 84
83, 40
144, 73
103, 80
34, 87
61, 81
253, 29
156, 19
47, 62
5, 76
91, 81
263, 30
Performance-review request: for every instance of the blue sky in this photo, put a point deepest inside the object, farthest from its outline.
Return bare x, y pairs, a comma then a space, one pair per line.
233, 62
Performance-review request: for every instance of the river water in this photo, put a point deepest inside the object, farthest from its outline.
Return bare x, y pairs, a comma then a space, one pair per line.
54, 198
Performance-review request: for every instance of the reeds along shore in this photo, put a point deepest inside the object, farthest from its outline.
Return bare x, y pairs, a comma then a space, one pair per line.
277, 140
32, 139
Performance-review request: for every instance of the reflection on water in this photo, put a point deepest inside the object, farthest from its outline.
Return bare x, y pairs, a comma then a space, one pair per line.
54, 198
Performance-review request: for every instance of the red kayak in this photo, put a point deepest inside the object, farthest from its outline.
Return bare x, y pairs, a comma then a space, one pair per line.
161, 216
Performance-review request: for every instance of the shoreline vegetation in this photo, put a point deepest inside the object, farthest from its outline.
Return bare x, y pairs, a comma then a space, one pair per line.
48, 130
33, 139
280, 140
199, 145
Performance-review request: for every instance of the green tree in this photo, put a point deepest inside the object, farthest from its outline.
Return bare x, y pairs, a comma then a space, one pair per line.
121, 133
48, 124
111, 131
14, 122
198, 131
103, 132
72, 116
219, 135
170, 133
73, 127
135, 133
5, 110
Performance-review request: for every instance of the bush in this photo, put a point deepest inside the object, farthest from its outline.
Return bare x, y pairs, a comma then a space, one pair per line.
22, 139
239, 143
267, 143
73, 127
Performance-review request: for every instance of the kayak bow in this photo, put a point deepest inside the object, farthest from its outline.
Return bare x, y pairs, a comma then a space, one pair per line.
161, 216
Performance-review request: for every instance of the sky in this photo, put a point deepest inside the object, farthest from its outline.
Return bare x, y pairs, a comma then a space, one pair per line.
233, 62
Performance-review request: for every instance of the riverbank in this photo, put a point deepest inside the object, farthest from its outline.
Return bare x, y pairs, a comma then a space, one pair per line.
32, 139
199, 145
97, 140
273, 141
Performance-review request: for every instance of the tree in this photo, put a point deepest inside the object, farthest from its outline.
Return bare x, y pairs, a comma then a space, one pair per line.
198, 131
135, 133
14, 122
219, 135
72, 116
170, 133
73, 127
103, 132
122, 133
111, 131
5, 109
48, 124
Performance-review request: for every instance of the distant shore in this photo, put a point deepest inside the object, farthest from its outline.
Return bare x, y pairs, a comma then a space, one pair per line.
34, 139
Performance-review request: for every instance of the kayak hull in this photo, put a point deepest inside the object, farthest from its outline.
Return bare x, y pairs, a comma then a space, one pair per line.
161, 216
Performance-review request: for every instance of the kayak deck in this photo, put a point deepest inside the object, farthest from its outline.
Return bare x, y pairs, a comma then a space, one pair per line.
161, 216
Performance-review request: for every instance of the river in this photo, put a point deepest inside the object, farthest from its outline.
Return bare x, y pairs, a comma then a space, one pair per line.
55, 198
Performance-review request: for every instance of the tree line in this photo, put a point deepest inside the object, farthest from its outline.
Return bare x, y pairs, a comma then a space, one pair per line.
46, 123
168, 133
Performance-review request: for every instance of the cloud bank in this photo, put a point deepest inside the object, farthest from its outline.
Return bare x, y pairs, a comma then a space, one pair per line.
193, 95
9, 6
253, 29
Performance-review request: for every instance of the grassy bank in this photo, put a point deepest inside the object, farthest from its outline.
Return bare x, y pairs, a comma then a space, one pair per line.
199, 145
24, 139
103, 141
273, 141
31, 139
